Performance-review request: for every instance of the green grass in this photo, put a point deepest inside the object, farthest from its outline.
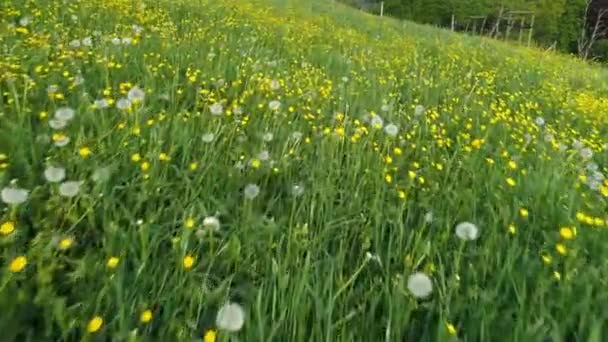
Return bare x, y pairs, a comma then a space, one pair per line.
328, 260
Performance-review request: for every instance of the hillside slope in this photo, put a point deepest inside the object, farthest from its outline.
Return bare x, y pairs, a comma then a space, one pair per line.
339, 176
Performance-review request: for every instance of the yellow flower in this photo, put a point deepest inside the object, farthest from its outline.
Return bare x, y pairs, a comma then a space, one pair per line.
65, 243
388, 178
451, 328
546, 258
113, 262
411, 174
145, 166
17, 264
7, 228
512, 165
567, 233
561, 249
512, 229
95, 324
189, 223
210, 336
402, 194
136, 157
84, 152
146, 316
511, 181
164, 157
523, 212
397, 151
255, 163
193, 166
188, 262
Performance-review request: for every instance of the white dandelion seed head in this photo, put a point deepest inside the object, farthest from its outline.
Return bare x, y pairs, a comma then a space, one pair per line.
297, 136
275, 85
57, 124
87, 41
64, 113
211, 55
539, 121
267, 137
297, 190
594, 184
101, 175
25, 21
126, 41
420, 285
13, 195
344, 79
136, 94
385, 108
52, 89
597, 176
54, 174
63, 141
428, 217
274, 105
239, 165
216, 108
115, 41
418, 110
586, 153
230, 317
78, 80
264, 155
101, 104
577, 144
74, 18
74, 44
377, 122
467, 231
391, 130
123, 104
208, 137
251, 191
70, 188
211, 223
137, 29
238, 110
592, 166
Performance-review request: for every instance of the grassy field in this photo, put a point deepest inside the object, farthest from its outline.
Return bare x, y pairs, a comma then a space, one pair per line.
259, 170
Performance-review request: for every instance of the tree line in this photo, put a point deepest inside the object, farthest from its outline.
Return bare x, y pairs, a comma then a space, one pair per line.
560, 24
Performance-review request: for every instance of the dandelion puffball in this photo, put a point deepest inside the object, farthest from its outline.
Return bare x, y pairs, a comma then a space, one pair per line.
251, 191
54, 174
211, 223
11, 195
70, 188
467, 231
419, 285
230, 317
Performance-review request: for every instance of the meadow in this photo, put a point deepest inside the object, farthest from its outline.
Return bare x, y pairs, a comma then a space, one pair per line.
265, 170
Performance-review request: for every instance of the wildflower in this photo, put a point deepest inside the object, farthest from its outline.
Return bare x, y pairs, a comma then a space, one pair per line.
189, 223
57, 123
297, 135
123, 104
208, 137
511, 229
7, 228
451, 329
74, 43
428, 217
193, 166
561, 249
70, 188
112, 262
210, 336
17, 264
188, 262
418, 110
145, 166
510, 181
267, 137
377, 122
84, 152
230, 317
135, 95
523, 212
297, 190
567, 233
54, 174
385, 108
586, 153
164, 157
61, 140
126, 41
24, 21
251, 191
391, 130
264, 155
101, 174
95, 324
467, 231
65, 243
274, 105
577, 144
64, 114
101, 104
539, 121
136, 157
11, 195
275, 85
216, 109
546, 258
87, 41
115, 41
146, 316
419, 285
211, 223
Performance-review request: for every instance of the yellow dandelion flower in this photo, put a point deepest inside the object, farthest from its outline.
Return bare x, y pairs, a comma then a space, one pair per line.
145, 166
397, 151
188, 262
561, 249
511, 181
17, 264
255, 163
546, 258
411, 174
113, 262
7, 228
523, 212
512, 165
164, 157
451, 329
66, 243
136, 157
402, 194
557, 275
193, 166
95, 324
511, 229
189, 223
567, 233
146, 316
388, 178
210, 336
84, 152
